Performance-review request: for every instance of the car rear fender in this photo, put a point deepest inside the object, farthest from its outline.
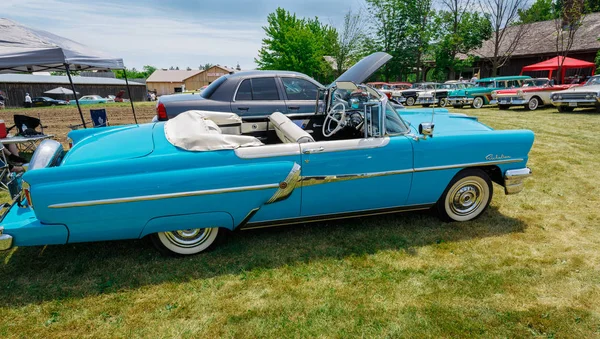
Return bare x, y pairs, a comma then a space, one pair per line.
185, 221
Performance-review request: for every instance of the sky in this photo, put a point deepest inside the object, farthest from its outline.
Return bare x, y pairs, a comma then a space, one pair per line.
169, 33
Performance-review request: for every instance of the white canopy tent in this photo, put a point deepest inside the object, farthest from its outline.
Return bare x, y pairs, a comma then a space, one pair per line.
24, 49
60, 90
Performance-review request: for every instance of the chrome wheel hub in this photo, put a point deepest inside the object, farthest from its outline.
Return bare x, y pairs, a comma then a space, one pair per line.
190, 237
466, 198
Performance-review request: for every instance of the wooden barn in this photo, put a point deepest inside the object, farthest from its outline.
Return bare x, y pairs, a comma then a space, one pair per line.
538, 44
176, 81
16, 85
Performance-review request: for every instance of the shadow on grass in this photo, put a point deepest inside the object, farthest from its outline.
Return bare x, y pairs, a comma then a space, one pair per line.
582, 111
37, 274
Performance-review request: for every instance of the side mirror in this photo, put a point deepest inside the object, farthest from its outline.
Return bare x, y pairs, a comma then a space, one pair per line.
426, 129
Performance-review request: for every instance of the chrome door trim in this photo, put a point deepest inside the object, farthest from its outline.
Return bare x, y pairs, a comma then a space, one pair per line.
471, 164
163, 196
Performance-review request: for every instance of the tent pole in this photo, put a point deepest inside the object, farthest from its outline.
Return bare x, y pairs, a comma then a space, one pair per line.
129, 93
75, 94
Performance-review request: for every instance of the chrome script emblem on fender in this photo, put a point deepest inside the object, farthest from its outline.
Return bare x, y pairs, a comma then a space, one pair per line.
496, 157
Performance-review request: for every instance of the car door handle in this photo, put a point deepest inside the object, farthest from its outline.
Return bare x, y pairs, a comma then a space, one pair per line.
294, 107
243, 108
314, 150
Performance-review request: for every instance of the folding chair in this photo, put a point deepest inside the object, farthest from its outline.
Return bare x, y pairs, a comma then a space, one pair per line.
99, 118
26, 125
4, 170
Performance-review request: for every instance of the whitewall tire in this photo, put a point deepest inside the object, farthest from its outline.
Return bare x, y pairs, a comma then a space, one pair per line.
410, 101
477, 102
467, 196
443, 102
187, 242
533, 104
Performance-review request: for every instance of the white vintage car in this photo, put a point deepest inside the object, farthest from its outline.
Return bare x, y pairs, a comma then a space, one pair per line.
587, 95
440, 92
533, 94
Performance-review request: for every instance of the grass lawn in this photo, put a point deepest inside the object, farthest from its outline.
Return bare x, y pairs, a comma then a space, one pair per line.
529, 267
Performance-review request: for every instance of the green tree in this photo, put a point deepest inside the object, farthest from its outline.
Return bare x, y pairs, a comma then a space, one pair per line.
540, 10
461, 30
390, 32
297, 44
133, 73
347, 48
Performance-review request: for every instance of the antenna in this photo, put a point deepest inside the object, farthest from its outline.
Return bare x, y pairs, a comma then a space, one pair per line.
433, 106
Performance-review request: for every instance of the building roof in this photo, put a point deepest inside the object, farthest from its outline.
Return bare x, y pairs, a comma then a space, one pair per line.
161, 75
540, 38
57, 79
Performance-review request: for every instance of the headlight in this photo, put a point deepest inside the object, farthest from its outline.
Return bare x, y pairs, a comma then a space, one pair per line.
560, 97
554, 97
494, 93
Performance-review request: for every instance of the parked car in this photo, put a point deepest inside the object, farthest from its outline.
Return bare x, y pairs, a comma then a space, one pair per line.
408, 97
440, 92
184, 182
382, 87
481, 94
46, 101
587, 95
533, 94
92, 99
251, 94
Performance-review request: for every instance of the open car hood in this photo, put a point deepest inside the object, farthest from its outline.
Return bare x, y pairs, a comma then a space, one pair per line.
363, 69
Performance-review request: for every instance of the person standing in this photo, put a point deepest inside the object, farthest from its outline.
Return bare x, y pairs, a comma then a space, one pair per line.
2, 99
27, 100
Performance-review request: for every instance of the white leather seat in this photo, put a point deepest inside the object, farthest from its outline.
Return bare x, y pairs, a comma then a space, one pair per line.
288, 131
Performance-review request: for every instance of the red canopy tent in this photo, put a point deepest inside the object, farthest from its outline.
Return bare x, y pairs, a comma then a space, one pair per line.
553, 64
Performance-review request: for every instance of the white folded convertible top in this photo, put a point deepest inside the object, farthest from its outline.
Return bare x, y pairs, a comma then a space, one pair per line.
199, 131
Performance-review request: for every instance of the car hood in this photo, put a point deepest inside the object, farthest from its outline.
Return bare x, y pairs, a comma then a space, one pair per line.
109, 144
583, 89
363, 69
445, 124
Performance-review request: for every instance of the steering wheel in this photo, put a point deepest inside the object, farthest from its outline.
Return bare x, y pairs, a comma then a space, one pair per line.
331, 116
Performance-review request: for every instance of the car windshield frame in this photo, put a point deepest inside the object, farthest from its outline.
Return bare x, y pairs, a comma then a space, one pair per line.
593, 81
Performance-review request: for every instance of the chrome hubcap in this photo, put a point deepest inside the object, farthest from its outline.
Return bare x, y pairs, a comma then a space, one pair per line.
466, 198
410, 101
190, 237
478, 103
533, 104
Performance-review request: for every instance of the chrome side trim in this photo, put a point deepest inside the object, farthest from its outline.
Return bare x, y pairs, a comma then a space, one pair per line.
514, 180
325, 217
163, 196
472, 164
326, 179
287, 186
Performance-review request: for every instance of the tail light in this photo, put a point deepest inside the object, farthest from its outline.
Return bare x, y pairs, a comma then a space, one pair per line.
389, 95
161, 111
70, 141
26, 193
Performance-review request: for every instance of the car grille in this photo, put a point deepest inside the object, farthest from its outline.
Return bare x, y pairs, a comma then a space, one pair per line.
508, 99
575, 96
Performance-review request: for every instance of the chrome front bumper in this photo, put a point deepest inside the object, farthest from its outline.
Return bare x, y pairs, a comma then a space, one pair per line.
577, 102
5, 240
426, 101
514, 180
509, 102
460, 101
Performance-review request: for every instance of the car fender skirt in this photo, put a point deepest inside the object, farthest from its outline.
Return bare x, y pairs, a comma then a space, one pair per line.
187, 221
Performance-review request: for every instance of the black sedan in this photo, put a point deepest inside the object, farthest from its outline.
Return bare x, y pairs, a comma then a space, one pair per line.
45, 101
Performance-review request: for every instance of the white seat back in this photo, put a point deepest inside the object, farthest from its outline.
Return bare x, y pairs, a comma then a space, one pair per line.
288, 131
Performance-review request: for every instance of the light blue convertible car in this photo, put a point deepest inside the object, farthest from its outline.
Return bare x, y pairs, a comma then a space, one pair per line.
185, 182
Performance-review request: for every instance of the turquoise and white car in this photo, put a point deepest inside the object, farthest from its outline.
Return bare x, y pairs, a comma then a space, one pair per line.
187, 181
92, 99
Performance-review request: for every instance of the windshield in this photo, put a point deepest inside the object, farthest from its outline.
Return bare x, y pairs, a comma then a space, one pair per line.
486, 84
535, 82
445, 86
393, 122
593, 81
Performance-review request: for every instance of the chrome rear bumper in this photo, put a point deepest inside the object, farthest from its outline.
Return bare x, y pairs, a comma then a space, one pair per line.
514, 180
5, 240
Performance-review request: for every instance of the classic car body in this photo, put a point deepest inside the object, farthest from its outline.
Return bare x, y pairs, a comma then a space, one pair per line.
481, 95
92, 99
408, 96
534, 93
46, 101
184, 181
440, 94
587, 95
